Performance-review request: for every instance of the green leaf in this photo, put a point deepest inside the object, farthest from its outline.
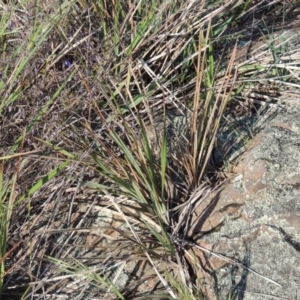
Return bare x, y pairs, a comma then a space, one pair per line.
43, 181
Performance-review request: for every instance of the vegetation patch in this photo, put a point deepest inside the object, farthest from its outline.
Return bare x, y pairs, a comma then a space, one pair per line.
110, 121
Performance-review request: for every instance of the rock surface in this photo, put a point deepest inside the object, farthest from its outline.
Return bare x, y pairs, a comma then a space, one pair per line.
256, 219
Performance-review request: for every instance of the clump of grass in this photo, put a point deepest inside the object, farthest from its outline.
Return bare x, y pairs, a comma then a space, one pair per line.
85, 84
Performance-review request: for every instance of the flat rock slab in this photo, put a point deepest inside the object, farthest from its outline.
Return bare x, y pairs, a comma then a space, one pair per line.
255, 219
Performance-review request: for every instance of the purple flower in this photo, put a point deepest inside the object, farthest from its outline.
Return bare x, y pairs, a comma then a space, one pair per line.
11, 25
67, 64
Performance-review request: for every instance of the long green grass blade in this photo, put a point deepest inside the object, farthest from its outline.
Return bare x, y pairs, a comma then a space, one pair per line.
43, 181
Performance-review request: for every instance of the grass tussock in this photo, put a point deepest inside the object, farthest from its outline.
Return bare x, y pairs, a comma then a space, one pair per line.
98, 183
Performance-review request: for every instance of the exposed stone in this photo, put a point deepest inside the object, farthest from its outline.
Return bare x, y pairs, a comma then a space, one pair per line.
257, 218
